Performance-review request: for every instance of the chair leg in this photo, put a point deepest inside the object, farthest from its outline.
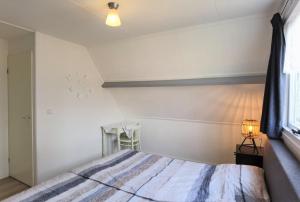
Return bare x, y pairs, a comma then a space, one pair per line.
103, 141
118, 139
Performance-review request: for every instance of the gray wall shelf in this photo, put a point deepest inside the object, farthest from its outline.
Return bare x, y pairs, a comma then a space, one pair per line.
252, 79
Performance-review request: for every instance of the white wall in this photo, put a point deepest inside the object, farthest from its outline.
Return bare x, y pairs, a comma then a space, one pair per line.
232, 47
70, 106
191, 140
213, 104
200, 123
3, 110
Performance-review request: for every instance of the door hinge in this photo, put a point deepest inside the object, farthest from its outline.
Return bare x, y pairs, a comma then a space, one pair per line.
7, 70
8, 160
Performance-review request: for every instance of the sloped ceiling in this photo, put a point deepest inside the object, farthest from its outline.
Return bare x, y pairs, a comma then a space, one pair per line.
228, 48
82, 21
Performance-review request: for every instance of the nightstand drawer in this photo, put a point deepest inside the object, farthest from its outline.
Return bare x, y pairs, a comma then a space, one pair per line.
247, 156
249, 160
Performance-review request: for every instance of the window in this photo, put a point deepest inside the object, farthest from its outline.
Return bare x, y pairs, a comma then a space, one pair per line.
292, 67
294, 101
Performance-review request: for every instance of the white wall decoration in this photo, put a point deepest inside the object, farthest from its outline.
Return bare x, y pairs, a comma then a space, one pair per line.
78, 85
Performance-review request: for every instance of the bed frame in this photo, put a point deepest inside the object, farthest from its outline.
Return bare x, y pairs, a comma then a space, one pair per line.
282, 172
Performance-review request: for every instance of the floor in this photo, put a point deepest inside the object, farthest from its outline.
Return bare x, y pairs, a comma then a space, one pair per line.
9, 186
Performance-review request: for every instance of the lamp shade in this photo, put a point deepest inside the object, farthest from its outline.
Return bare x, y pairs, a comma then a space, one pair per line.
250, 128
113, 18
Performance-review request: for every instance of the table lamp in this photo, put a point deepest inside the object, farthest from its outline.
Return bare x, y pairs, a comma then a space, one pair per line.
250, 130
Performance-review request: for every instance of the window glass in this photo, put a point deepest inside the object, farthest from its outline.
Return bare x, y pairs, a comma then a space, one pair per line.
294, 109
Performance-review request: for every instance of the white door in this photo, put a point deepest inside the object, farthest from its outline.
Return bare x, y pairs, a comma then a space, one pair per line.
20, 117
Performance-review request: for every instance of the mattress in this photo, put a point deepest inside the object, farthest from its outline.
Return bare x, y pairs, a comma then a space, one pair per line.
136, 176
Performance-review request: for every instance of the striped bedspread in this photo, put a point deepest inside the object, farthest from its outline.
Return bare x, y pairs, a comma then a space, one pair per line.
136, 176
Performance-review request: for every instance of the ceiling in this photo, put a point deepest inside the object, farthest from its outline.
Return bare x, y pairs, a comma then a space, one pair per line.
83, 21
9, 32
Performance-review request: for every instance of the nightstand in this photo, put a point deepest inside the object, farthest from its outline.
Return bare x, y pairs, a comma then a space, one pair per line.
248, 156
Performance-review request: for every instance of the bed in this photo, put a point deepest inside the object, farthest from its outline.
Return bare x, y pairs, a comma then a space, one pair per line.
136, 176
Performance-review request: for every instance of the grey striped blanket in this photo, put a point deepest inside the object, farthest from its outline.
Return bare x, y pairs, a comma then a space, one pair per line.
136, 176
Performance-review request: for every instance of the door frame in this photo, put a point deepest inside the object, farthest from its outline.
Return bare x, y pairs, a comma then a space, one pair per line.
33, 110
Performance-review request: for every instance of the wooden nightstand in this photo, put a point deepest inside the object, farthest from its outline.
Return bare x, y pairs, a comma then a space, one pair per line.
247, 156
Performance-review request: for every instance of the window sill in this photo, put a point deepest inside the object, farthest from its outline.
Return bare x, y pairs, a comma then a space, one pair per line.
292, 142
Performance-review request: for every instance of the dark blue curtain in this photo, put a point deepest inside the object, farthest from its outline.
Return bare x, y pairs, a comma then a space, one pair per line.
273, 106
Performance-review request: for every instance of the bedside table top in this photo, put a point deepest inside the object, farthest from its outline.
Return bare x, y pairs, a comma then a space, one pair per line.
249, 150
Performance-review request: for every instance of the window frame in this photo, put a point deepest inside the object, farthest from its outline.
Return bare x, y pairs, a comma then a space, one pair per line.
291, 104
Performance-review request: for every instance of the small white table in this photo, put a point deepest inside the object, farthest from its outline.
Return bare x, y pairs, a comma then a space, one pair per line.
112, 133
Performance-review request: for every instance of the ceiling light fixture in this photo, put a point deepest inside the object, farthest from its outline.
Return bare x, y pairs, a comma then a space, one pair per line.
113, 18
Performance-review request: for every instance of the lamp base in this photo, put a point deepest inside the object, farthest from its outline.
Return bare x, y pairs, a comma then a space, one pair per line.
251, 145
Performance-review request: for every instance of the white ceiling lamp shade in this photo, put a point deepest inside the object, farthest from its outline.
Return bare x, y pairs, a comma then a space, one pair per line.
113, 19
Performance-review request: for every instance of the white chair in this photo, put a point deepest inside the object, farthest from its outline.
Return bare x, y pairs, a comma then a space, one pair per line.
126, 134
131, 138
